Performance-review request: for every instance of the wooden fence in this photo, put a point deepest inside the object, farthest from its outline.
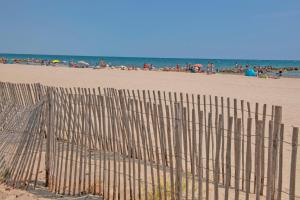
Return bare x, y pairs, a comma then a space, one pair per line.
123, 144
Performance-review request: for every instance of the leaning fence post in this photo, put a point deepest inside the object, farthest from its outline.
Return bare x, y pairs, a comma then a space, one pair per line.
280, 162
47, 155
293, 163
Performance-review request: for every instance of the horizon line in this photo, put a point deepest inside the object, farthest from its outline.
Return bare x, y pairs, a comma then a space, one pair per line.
42, 54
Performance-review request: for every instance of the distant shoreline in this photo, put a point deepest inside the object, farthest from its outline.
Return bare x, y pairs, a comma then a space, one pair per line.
148, 57
158, 62
158, 69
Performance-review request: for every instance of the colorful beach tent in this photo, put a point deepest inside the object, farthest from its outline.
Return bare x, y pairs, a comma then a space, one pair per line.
56, 61
250, 72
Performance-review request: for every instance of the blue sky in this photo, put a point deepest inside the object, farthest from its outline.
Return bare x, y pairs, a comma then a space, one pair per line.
256, 29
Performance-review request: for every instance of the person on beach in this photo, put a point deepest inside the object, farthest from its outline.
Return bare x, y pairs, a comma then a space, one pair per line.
279, 74
208, 68
71, 63
241, 68
3, 60
187, 67
151, 67
102, 64
146, 66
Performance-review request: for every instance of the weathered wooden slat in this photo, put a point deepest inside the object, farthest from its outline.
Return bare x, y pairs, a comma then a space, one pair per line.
194, 152
163, 149
154, 121
293, 163
207, 153
258, 154
145, 147
185, 149
243, 145
170, 146
248, 158
178, 150
228, 158
280, 162
270, 163
277, 122
237, 157
200, 161
223, 141
217, 159
262, 182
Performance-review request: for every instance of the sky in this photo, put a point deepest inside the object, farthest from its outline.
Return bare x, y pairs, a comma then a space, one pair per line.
234, 29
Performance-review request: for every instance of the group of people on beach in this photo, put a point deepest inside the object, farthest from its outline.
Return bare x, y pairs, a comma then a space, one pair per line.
3, 60
259, 71
193, 68
31, 61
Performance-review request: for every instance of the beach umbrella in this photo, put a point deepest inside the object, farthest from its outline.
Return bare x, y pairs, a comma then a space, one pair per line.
83, 63
198, 65
56, 61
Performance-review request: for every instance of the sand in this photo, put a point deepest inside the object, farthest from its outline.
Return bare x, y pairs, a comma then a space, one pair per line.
284, 91
7, 193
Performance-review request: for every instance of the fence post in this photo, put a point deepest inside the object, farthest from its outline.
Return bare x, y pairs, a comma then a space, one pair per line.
263, 150
217, 158
270, 167
258, 154
280, 162
178, 148
248, 158
276, 133
293, 163
209, 132
47, 155
237, 156
228, 158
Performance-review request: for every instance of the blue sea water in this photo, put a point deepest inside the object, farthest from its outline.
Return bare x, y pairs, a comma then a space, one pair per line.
161, 62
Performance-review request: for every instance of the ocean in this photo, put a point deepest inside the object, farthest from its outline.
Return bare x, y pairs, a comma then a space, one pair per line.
162, 62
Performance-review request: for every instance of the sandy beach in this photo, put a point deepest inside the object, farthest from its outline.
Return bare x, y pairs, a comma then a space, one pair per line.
283, 92
7, 193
